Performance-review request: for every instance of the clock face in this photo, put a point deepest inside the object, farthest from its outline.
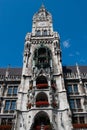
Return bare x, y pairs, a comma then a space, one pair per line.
42, 24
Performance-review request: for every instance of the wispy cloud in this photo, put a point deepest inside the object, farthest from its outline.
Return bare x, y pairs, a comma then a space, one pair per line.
76, 54
66, 43
71, 55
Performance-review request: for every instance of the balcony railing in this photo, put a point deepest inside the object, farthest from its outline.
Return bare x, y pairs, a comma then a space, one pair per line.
75, 75
77, 110
5, 127
78, 126
73, 93
41, 86
11, 77
43, 127
42, 104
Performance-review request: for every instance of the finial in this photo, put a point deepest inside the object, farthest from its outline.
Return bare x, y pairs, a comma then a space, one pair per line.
42, 6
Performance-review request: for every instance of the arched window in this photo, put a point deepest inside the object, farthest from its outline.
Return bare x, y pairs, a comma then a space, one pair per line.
41, 97
44, 32
38, 33
42, 100
41, 121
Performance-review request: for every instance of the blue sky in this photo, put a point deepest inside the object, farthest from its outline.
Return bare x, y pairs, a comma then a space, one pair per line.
69, 19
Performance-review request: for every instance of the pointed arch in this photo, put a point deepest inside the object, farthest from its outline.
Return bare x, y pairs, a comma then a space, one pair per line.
42, 120
42, 117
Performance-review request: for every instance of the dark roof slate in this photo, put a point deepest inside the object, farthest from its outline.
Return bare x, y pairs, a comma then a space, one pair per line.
11, 71
66, 69
72, 69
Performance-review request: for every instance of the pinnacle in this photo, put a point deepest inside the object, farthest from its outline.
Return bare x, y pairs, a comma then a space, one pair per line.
42, 7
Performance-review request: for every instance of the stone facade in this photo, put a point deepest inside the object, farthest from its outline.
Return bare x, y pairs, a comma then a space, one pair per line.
47, 95
42, 95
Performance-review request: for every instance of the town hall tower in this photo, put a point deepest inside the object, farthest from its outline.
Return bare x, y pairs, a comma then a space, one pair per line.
42, 100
